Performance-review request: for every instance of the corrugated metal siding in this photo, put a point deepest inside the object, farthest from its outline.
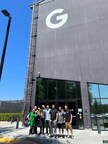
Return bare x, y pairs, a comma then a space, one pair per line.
78, 50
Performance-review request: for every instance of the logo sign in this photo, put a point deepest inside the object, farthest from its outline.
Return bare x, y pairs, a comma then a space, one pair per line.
61, 18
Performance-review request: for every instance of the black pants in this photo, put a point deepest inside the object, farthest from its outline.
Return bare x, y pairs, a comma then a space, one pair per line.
36, 125
42, 125
35, 129
47, 126
31, 130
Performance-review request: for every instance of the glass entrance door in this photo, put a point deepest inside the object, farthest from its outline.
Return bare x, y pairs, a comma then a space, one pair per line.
74, 110
60, 93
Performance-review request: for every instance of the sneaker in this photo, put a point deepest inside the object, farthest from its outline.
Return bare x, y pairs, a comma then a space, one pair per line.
56, 136
51, 136
72, 136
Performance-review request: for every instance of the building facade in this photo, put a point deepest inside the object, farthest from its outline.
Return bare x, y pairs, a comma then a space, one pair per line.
68, 53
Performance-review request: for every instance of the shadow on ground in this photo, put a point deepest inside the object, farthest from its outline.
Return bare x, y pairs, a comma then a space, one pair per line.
38, 140
8, 129
44, 140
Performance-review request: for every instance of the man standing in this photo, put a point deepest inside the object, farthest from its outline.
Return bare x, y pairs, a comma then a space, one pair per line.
68, 121
42, 119
47, 118
60, 122
53, 121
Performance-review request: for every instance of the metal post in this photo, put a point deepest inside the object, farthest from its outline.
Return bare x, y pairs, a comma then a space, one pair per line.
5, 45
17, 123
98, 125
105, 141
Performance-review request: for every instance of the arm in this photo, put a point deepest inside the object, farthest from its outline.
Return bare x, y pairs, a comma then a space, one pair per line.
56, 116
71, 119
28, 116
50, 115
64, 119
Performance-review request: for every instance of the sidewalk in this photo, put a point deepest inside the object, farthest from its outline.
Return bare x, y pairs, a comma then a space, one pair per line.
9, 134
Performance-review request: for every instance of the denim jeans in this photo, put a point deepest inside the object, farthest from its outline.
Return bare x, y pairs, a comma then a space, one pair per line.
53, 125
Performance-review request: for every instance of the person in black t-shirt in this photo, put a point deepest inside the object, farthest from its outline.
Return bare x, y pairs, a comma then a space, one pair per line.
53, 121
42, 119
68, 121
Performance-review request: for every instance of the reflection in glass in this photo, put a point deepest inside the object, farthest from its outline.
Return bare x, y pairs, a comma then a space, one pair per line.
61, 93
93, 90
41, 89
78, 90
71, 89
104, 101
52, 89
98, 105
103, 91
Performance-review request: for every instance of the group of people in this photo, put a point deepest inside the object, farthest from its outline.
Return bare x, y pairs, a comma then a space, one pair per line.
50, 119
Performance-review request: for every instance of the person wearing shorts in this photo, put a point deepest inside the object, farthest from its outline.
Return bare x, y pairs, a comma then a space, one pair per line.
60, 122
68, 121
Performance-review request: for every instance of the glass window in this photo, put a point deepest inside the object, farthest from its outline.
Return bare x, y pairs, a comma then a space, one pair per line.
93, 90
79, 104
104, 106
96, 106
98, 98
70, 89
104, 101
61, 92
103, 91
52, 89
41, 89
78, 90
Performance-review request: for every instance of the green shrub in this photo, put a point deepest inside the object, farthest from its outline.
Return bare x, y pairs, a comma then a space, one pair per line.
7, 116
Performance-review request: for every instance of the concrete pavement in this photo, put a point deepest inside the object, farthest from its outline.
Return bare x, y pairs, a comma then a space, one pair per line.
9, 134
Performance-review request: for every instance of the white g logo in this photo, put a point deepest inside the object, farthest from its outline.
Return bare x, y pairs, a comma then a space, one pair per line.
63, 19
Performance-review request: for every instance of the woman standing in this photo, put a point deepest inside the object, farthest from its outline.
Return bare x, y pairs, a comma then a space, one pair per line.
31, 118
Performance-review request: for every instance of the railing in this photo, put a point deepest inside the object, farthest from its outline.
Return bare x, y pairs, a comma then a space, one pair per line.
103, 120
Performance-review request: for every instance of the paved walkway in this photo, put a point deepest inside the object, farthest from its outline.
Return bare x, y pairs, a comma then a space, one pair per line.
9, 134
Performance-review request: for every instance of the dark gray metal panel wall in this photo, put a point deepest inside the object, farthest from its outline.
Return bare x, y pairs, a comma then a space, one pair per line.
85, 105
78, 50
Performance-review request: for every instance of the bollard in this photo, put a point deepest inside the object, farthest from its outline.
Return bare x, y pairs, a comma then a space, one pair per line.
105, 141
98, 126
17, 123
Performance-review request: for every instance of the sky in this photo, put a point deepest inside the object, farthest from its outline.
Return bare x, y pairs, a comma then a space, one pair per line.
13, 78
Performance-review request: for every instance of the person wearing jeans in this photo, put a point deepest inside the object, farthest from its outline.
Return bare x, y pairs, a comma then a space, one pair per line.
47, 118
60, 122
53, 121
